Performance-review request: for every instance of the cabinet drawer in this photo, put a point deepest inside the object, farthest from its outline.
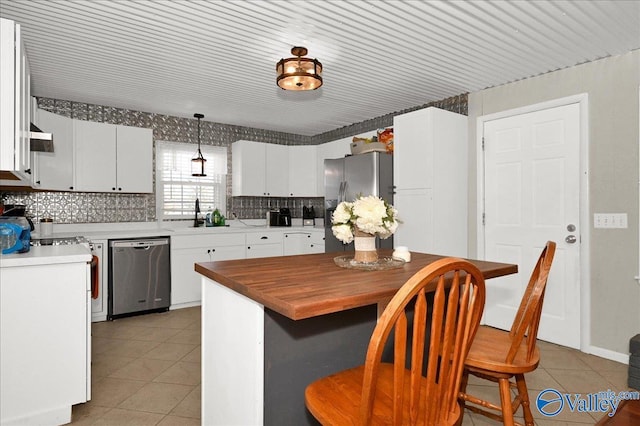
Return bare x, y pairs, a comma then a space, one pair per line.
207, 240
264, 238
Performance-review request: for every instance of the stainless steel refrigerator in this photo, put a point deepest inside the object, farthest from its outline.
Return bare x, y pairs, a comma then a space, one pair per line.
346, 178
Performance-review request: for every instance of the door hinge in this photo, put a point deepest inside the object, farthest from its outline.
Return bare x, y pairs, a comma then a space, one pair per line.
483, 219
483, 143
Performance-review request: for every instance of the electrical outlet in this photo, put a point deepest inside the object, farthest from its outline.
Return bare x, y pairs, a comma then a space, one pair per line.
610, 220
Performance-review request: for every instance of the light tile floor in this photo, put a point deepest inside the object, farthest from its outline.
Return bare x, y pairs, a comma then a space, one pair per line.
146, 371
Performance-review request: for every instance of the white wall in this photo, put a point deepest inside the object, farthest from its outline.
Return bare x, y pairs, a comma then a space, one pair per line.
612, 86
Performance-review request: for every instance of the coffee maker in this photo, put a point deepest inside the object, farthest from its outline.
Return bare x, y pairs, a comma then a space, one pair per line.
280, 217
308, 216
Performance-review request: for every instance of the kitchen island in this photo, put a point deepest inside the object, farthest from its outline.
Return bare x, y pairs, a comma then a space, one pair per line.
270, 326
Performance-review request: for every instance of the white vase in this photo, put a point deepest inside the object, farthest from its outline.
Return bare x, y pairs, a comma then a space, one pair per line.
365, 245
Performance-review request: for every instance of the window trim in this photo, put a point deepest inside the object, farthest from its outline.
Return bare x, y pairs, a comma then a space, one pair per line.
209, 151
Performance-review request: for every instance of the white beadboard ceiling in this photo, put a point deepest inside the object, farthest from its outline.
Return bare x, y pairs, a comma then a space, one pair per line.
218, 57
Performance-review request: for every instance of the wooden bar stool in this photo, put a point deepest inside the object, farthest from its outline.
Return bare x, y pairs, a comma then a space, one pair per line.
498, 355
390, 393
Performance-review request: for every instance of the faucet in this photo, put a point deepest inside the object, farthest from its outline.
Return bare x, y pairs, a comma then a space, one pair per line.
197, 222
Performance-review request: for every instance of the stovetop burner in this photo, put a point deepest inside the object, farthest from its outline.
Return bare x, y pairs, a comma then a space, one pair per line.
58, 241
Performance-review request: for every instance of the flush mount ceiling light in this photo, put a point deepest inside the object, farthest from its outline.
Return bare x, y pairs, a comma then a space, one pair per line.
197, 162
299, 73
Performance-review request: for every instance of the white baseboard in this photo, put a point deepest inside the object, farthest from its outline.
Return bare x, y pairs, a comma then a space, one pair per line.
608, 354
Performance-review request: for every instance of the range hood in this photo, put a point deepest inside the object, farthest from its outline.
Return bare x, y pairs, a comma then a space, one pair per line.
39, 140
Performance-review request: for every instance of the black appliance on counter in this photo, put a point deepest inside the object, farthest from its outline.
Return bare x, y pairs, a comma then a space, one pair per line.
308, 216
280, 217
17, 210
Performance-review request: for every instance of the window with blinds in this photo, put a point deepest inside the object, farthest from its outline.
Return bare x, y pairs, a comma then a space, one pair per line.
177, 190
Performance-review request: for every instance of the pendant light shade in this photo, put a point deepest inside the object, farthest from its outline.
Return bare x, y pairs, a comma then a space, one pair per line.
197, 162
299, 73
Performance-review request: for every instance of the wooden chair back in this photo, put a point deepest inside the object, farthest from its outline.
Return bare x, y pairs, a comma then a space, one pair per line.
527, 319
458, 301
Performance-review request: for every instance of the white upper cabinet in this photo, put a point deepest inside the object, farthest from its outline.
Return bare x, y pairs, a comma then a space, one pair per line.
260, 169
95, 156
134, 159
110, 158
249, 168
15, 86
277, 170
302, 171
54, 170
429, 144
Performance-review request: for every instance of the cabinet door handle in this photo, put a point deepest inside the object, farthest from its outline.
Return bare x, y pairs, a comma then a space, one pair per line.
264, 238
213, 250
113, 189
71, 187
119, 189
38, 182
248, 247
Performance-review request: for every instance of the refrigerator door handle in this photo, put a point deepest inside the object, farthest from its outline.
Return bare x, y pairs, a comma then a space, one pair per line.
341, 192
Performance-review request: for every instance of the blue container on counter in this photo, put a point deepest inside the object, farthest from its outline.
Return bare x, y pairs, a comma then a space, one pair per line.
15, 235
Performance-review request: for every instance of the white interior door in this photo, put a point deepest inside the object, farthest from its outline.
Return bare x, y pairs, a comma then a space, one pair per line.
532, 194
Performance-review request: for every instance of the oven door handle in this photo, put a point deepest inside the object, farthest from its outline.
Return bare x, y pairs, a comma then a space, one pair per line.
95, 277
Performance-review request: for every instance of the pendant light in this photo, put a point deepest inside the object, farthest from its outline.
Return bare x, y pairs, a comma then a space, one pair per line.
197, 162
299, 73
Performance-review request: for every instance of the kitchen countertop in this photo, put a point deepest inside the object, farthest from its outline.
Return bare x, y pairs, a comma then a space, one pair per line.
47, 255
154, 229
306, 286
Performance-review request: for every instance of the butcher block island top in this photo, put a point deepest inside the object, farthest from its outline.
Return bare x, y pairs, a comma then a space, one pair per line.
310, 285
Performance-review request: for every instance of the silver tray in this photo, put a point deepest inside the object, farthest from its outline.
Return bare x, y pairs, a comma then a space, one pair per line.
383, 263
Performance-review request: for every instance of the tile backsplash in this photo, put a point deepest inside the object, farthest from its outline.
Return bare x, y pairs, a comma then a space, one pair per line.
81, 207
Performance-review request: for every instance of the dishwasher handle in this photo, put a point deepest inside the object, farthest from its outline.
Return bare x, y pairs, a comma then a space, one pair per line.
140, 244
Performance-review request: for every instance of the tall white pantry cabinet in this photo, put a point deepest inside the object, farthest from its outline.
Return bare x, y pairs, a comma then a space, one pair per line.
430, 178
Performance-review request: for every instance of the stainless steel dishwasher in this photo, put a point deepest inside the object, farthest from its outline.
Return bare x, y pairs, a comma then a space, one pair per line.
139, 276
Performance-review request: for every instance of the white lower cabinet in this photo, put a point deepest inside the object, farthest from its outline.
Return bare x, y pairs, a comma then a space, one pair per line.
316, 244
303, 243
186, 250
45, 355
264, 244
186, 289
295, 242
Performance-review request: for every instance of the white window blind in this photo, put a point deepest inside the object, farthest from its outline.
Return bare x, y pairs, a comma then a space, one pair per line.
177, 190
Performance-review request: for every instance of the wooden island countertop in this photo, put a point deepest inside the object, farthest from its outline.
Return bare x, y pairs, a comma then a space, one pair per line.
307, 286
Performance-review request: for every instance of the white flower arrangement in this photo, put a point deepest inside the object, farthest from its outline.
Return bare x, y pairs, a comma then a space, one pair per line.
369, 214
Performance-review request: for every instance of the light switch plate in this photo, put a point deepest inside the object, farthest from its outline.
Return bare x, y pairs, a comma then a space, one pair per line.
610, 220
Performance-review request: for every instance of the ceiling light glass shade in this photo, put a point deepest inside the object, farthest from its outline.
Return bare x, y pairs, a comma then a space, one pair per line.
299, 73
197, 162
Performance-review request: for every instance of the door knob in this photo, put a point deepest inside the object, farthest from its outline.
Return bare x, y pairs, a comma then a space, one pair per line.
570, 239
